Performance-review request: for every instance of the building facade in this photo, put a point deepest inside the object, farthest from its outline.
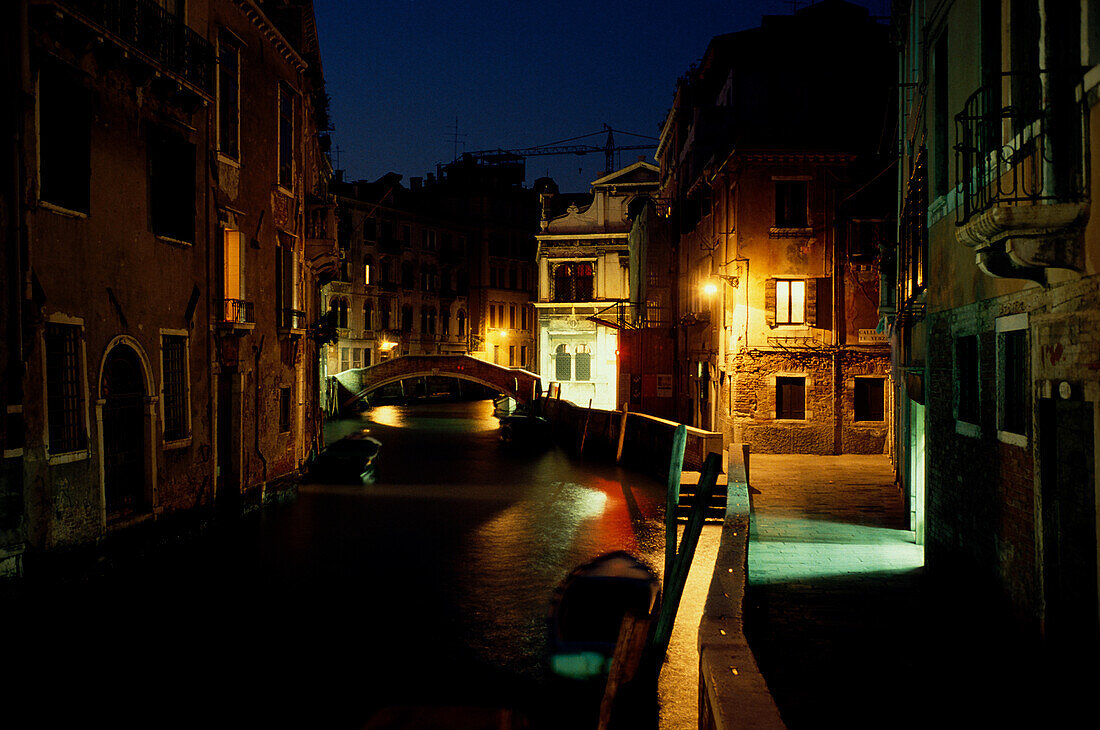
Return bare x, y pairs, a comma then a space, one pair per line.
584, 286
161, 291
773, 179
998, 301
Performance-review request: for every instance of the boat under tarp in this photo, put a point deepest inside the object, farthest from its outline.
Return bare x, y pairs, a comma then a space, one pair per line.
587, 611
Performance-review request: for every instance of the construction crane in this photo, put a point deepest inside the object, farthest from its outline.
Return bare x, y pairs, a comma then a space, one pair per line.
572, 146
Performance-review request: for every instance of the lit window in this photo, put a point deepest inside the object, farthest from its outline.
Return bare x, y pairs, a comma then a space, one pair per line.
790, 301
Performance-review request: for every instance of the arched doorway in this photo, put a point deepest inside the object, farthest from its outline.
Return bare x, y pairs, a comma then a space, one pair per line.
123, 391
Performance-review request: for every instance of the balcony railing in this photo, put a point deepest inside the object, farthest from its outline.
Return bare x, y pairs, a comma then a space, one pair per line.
146, 27
238, 311
1024, 152
293, 319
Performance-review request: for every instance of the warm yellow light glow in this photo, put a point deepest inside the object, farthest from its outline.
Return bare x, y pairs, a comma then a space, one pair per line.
386, 346
710, 288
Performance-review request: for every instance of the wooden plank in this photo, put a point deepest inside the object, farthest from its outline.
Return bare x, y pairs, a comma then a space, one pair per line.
675, 468
622, 434
631, 644
584, 433
675, 582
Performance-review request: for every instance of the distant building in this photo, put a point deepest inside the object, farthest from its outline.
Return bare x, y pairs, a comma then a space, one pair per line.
997, 301
776, 180
168, 185
404, 277
584, 285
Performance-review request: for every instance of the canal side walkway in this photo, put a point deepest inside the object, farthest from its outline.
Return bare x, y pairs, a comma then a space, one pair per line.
848, 628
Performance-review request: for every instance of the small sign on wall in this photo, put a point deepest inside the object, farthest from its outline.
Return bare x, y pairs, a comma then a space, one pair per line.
871, 337
664, 386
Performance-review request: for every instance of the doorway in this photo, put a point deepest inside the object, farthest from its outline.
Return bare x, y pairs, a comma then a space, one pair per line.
1068, 493
124, 454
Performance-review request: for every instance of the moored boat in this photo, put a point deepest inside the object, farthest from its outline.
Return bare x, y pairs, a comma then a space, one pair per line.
587, 611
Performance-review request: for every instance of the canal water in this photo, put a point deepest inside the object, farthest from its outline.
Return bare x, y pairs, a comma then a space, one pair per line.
428, 587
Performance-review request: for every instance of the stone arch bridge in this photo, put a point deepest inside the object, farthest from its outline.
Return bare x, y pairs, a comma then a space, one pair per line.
358, 382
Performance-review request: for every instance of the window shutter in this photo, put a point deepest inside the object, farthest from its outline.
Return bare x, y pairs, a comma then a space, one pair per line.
811, 301
769, 301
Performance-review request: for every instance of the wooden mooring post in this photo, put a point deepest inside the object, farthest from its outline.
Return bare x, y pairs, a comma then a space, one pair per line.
676, 579
622, 434
675, 470
584, 433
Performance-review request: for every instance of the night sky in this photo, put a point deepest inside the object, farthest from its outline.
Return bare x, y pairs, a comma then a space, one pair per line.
514, 73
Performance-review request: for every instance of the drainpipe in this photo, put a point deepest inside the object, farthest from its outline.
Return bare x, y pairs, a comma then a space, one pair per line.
256, 352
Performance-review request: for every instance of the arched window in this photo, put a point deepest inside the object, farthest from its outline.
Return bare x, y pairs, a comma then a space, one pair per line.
584, 363
445, 320
461, 323
339, 308
386, 271
386, 313
431, 321
563, 366
368, 314
407, 318
408, 275
368, 270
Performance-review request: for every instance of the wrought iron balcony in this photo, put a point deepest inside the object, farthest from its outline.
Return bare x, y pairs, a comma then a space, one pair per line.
1020, 169
154, 33
238, 311
293, 319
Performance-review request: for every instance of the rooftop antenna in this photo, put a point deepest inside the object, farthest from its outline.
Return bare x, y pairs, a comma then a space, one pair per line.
455, 139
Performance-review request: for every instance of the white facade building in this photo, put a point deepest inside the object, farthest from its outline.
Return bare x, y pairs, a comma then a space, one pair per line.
584, 285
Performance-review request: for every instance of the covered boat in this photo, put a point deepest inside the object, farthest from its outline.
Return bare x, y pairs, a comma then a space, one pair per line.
587, 611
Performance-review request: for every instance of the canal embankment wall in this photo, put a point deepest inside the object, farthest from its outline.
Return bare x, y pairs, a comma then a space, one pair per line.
732, 692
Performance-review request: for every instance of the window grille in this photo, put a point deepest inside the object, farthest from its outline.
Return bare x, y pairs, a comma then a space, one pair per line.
583, 366
173, 357
563, 364
64, 397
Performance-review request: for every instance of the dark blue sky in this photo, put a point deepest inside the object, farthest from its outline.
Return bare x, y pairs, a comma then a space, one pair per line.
515, 73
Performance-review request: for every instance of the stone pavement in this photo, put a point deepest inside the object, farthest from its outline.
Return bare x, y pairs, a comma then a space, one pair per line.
849, 629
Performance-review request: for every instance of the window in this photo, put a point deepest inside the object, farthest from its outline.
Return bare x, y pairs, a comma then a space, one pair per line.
64, 388
870, 397
511, 355
368, 314
563, 363
790, 398
407, 318
284, 410
496, 354
345, 358
229, 102
357, 357
523, 311
287, 128
445, 321
523, 356
173, 350
431, 321
790, 204
966, 378
385, 313
461, 323
492, 315
286, 275
408, 276
1012, 376
583, 367
511, 316
171, 186
64, 141
339, 307
233, 276
573, 282
790, 301
368, 262
941, 118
